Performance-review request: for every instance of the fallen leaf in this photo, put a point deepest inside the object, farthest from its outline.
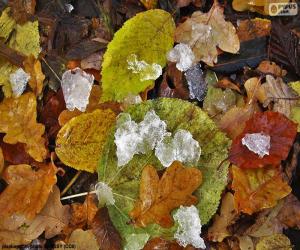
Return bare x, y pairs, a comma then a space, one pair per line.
1, 160
272, 68
34, 68
227, 216
149, 4
15, 153
159, 196
257, 189
22, 10
289, 215
26, 194
204, 32
106, 234
282, 132
225, 82
163, 244
275, 241
93, 61
79, 142
18, 121
148, 35
83, 240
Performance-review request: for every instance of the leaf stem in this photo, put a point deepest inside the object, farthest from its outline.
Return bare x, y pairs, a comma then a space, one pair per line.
75, 177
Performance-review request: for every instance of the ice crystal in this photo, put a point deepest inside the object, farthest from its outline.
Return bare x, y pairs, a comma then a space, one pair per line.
146, 71
18, 81
181, 148
104, 194
183, 55
76, 85
196, 83
189, 227
258, 143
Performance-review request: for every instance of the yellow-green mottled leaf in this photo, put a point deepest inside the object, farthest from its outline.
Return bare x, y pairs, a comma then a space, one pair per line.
295, 86
275, 241
149, 36
295, 111
79, 142
23, 38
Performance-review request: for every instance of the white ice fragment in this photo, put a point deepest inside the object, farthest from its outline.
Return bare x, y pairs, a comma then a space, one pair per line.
131, 100
145, 70
76, 85
69, 7
183, 147
183, 55
104, 194
258, 143
18, 81
189, 227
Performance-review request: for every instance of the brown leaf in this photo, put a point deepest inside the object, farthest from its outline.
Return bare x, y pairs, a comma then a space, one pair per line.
34, 68
83, 240
18, 121
16, 154
162, 244
1, 161
225, 82
218, 231
26, 194
268, 67
22, 10
158, 197
289, 215
107, 236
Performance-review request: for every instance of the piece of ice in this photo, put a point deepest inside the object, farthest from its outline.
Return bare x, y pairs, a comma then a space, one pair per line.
131, 100
196, 83
258, 143
145, 70
183, 55
18, 81
69, 7
181, 148
189, 227
104, 194
76, 85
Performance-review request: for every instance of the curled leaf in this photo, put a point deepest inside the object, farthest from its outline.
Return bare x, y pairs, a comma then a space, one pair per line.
282, 132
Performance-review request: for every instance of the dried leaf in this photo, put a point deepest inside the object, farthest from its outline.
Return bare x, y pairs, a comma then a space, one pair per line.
289, 214
256, 189
227, 83
282, 132
15, 154
26, 194
34, 68
214, 32
22, 10
107, 236
158, 197
275, 241
272, 68
1, 160
79, 143
149, 4
218, 231
163, 244
18, 121
83, 240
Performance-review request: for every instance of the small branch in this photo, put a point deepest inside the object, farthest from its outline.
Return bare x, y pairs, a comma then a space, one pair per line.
77, 195
71, 183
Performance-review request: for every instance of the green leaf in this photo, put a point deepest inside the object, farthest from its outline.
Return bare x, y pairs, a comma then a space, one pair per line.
124, 181
149, 36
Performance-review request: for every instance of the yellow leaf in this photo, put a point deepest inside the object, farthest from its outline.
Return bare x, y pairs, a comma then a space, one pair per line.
275, 241
1, 160
80, 141
18, 121
7, 24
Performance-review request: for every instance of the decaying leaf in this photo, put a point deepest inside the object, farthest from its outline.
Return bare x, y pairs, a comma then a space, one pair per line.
282, 132
83, 240
18, 121
272, 68
204, 32
33, 67
1, 160
147, 37
79, 143
149, 4
26, 194
256, 189
289, 215
159, 196
22, 10
219, 229
275, 241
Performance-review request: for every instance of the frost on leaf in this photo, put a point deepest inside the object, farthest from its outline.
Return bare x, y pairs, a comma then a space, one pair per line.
183, 147
189, 227
132, 138
76, 85
204, 32
145, 70
257, 143
104, 194
183, 55
18, 81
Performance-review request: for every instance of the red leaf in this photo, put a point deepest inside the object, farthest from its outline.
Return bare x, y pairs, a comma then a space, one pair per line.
282, 132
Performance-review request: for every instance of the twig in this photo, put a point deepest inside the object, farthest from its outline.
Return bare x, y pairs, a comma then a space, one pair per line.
71, 182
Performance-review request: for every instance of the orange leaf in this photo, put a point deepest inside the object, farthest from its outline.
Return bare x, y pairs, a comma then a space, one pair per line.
158, 197
18, 121
26, 194
282, 132
256, 189
34, 68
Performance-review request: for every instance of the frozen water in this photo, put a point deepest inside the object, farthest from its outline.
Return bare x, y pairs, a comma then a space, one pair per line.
132, 138
104, 194
18, 81
76, 85
183, 55
181, 148
189, 227
196, 82
258, 143
69, 7
146, 71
